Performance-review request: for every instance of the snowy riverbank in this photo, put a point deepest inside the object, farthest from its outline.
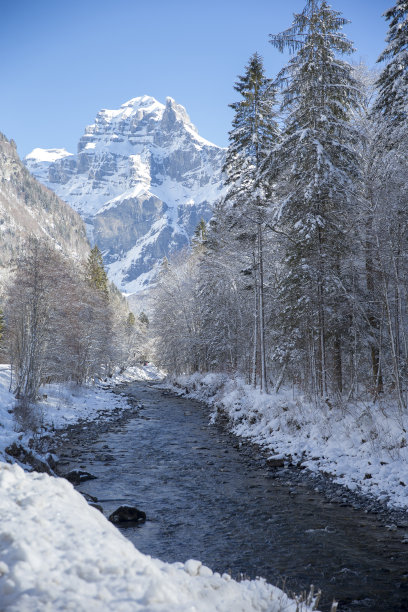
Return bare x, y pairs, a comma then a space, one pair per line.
363, 446
59, 553
62, 405
59, 406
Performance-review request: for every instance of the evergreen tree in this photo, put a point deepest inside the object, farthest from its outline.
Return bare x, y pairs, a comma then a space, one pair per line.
393, 82
318, 173
131, 320
144, 319
251, 141
95, 272
254, 132
200, 235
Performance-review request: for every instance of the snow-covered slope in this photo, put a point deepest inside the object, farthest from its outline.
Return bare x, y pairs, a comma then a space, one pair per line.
28, 208
58, 553
142, 179
39, 161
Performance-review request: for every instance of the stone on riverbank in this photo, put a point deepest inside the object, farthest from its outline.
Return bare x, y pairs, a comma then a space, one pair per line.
275, 462
28, 457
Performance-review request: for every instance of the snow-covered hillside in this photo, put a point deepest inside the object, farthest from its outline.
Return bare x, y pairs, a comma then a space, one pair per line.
142, 179
29, 209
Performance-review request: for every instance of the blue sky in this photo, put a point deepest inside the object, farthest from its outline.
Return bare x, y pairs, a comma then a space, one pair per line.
64, 61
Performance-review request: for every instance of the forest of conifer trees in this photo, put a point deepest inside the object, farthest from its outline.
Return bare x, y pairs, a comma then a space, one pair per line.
301, 276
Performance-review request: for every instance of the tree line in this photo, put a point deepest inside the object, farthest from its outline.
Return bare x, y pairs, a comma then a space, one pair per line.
63, 321
301, 275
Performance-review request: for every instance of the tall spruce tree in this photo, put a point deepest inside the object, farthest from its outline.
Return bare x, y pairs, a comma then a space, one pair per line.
95, 272
392, 98
200, 236
318, 173
254, 131
391, 193
252, 139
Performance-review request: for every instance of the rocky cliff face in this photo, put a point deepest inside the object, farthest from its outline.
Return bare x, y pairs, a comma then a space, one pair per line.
142, 180
27, 207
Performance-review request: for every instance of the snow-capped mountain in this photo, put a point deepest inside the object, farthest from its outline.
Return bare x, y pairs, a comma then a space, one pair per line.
142, 179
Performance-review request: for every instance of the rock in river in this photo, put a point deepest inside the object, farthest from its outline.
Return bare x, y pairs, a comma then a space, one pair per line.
127, 514
76, 477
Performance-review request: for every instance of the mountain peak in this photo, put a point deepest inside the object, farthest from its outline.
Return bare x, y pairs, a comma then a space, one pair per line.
142, 102
143, 178
180, 113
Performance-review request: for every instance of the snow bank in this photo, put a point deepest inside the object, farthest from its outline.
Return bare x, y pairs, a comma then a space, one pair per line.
363, 446
62, 405
58, 553
140, 373
70, 403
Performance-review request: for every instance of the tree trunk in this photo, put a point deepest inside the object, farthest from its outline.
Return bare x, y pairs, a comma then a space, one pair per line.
264, 383
338, 366
372, 319
256, 314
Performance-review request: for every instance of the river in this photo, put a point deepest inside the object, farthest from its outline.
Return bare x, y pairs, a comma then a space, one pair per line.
207, 499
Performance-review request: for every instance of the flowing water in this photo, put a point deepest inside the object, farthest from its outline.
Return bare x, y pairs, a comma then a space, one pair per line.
206, 499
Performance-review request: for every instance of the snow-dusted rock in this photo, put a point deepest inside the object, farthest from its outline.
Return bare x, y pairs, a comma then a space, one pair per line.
142, 179
76, 477
39, 161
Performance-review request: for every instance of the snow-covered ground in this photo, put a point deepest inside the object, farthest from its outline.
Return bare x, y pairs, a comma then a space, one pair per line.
59, 406
62, 405
140, 372
59, 553
364, 446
